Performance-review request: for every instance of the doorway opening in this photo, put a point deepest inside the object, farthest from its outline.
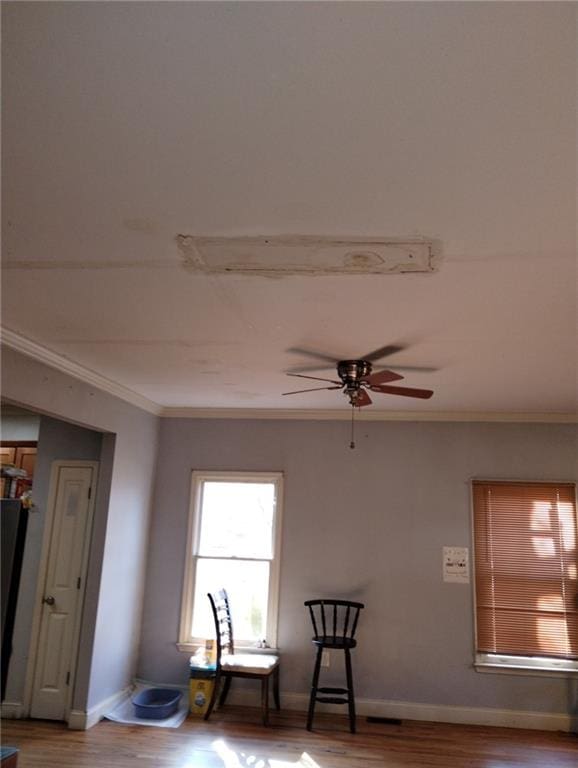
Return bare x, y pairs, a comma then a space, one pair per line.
48, 667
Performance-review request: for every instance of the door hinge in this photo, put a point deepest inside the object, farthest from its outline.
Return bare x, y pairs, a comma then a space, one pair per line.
78, 583
68, 678
90, 492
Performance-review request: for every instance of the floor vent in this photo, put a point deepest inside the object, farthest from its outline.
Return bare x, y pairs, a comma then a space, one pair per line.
384, 720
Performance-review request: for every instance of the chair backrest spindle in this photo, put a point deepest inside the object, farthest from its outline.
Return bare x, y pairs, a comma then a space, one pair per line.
313, 620
355, 620
323, 618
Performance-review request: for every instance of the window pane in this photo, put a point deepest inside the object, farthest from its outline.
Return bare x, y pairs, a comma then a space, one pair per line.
247, 583
237, 519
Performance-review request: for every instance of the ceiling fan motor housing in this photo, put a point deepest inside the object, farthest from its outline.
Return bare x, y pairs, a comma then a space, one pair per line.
352, 372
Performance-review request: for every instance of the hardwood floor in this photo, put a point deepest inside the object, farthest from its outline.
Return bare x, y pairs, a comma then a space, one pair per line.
235, 739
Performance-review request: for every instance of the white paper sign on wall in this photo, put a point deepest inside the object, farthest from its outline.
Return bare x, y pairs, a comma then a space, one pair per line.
456, 566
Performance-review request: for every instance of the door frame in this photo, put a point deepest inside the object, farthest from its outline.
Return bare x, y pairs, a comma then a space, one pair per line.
55, 468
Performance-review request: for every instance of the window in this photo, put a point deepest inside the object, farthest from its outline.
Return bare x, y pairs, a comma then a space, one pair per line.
233, 542
526, 575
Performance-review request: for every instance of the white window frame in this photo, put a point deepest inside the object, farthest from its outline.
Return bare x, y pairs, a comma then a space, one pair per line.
186, 642
500, 663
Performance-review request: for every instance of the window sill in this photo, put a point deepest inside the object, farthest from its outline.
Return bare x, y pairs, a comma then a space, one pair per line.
528, 666
192, 647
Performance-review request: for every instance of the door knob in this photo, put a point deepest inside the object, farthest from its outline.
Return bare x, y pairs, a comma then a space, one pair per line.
48, 600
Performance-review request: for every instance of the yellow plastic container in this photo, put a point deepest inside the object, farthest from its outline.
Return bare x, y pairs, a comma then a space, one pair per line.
200, 692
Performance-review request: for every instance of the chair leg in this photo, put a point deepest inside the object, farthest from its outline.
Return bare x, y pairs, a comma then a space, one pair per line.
350, 696
225, 691
276, 688
314, 683
213, 696
265, 699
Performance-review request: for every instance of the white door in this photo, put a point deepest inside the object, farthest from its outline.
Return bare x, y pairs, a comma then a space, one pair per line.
63, 591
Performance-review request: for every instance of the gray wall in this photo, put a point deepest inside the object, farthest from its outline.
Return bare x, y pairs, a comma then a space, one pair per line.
119, 546
56, 440
366, 524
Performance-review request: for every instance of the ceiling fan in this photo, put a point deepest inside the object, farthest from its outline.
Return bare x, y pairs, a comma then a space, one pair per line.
356, 377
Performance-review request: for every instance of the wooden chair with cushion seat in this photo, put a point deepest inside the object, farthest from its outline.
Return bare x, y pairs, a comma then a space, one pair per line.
334, 624
261, 666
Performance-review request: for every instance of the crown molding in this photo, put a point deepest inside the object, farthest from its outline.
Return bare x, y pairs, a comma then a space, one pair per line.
44, 355
48, 357
365, 415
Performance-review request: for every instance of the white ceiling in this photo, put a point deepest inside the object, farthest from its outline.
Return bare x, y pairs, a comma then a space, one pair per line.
127, 124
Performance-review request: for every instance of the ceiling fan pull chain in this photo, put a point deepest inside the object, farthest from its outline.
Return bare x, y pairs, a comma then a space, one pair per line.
352, 443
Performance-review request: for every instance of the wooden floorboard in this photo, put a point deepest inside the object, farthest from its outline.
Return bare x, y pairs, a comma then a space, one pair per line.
235, 739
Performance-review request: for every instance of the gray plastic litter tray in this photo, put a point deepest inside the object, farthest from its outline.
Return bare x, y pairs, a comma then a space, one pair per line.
156, 703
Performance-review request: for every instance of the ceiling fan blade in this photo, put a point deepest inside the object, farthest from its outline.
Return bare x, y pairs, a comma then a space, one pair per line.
362, 398
320, 367
381, 377
416, 368
425, 394
377, 354
315, 389
311, 353
315, 378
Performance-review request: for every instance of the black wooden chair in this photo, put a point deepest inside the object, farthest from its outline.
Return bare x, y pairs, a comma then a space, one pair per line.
262, 666
334, 626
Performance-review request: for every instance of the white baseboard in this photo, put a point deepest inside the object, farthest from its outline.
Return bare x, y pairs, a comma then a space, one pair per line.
77, 719
82, 721
402, 710
12, 710
405, 710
